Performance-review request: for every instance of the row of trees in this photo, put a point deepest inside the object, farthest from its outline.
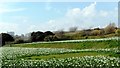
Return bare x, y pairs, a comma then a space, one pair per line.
61, 35
48, 36
34, 37
40, 36
109, 29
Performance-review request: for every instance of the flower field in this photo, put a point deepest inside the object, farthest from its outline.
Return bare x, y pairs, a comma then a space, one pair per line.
74, 62
11, 57
74, 57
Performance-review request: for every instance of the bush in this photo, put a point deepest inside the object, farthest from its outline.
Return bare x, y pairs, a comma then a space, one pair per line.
95, 32
117, 32
110, 28
50, 38
82, 33
18, 41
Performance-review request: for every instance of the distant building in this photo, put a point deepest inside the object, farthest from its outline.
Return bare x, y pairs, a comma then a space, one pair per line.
11, 33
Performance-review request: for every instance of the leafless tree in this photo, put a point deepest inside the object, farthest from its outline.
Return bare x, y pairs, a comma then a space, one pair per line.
73, 29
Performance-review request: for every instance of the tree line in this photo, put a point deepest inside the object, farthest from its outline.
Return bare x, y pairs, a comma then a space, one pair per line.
72, 34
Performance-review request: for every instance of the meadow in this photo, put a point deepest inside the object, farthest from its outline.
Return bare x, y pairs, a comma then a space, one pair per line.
88, 53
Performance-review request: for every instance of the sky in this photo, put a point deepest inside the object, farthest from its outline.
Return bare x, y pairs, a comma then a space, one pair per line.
25, 17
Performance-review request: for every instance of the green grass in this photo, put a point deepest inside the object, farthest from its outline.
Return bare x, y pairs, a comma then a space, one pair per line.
68, 55
73, 45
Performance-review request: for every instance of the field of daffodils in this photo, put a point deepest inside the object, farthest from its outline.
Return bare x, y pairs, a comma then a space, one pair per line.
14, 57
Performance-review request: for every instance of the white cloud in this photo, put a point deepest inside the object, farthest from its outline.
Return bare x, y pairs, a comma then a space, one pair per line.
51, 21
83, 18
18, 24
6, 10
20, 19
73, 12
104, 13
32, 28
8, 27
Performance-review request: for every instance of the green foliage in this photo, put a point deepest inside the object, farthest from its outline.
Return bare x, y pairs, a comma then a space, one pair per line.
39, 36
47, 33
6, 38
108, 31
82, 33
77, 36
62, 37
50, 38
95, 32
73, 45
18, 41
117, 32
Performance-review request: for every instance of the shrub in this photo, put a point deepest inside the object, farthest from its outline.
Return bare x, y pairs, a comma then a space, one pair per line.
110, 28
95, 32
117, 32
50, 38
82, 33
18, 41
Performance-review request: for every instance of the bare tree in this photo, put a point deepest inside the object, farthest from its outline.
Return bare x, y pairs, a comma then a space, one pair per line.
110, 28
61, 31
73, 29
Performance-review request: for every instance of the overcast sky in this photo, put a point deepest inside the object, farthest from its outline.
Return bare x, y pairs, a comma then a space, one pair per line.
25, 17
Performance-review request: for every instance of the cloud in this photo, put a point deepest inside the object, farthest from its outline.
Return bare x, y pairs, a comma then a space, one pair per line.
6, 10
8, 27
83, 18
73, 12
18, 24
90, 16
87, 12
46, 26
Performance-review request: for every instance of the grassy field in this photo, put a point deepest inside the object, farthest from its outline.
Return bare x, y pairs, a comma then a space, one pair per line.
68, 55
73, 45
90, 54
